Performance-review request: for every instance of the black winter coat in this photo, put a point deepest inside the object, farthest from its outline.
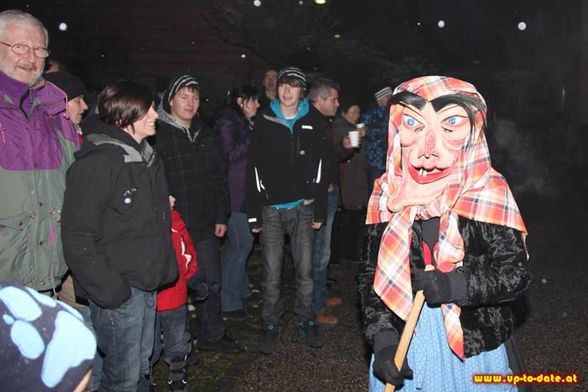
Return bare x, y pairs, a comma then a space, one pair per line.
284, 166
196, 176
116, 218
495, 266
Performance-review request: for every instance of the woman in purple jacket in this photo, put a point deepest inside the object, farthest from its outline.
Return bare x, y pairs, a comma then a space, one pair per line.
234, 129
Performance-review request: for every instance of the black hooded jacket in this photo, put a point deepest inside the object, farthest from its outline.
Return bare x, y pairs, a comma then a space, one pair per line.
116, 218
284, 166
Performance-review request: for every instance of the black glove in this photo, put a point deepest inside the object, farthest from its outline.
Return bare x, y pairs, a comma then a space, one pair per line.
439, 287
385, 347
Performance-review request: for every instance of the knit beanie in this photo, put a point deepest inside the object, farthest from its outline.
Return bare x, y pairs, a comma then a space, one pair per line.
178, 83
295, 73
71, 85
44, 344
386, 91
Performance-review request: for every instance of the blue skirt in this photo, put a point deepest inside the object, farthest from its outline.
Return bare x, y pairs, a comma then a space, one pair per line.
437, 369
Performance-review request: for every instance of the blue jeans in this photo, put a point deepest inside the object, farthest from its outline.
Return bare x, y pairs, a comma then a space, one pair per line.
235, 281
176, 339
94, 382
296, 222
125, 336
211, 327
322, 253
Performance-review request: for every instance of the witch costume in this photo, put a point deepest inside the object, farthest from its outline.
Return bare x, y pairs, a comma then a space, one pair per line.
441, 203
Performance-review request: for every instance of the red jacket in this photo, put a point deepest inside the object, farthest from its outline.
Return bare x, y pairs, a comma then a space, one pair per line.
176, 296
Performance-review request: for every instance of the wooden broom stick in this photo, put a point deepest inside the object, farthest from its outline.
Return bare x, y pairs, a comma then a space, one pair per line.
407, 332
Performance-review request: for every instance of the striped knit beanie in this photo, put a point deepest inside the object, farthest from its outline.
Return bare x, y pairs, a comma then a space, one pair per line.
386, 91
176, 85
295, 73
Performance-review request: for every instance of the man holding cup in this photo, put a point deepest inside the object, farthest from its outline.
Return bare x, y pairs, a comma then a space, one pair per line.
324, 97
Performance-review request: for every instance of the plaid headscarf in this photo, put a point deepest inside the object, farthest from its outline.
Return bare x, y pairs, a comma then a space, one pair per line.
476, 191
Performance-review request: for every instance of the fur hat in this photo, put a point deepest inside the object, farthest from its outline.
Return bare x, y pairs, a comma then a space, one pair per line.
386, 91
295, 73
44, 344
71, 85
176, 85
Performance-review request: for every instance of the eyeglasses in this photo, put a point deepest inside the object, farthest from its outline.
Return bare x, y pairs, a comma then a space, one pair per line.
22, 49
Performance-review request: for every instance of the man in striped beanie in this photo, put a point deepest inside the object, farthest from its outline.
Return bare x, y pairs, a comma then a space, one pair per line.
375, 119
286, 193
197, 178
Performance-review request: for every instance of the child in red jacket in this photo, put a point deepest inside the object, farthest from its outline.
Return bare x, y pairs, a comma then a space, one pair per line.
172, 310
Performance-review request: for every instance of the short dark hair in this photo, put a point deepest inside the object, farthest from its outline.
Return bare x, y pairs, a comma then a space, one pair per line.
346, 102
245, 92
291, 81
122, 103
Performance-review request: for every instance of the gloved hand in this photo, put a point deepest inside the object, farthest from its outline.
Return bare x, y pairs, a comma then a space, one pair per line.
385, 347
439, 287
385, 368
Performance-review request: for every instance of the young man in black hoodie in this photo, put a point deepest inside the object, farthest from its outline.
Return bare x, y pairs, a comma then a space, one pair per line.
116, 231
197, 178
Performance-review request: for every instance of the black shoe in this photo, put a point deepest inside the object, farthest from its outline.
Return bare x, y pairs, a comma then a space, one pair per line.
224, 345
311, 333
269, 340
177, 378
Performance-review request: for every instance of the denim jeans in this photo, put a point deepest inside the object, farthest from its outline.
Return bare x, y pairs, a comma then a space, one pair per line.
125, 336
296, 222
94, 382
176, 339
235, 281
322, 253
211, 327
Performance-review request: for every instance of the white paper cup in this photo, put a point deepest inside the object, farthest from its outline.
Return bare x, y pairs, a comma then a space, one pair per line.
354, 138
361, 128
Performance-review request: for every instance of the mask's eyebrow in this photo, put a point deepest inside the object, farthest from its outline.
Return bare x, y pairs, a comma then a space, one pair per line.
448, 107
411, 108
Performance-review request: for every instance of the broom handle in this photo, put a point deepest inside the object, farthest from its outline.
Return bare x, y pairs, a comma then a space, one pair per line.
407, 332
411, 321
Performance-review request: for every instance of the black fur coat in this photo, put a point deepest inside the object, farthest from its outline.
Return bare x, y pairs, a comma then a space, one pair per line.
495, 266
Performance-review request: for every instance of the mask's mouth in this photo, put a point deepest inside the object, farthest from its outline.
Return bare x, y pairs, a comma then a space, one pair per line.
425, 176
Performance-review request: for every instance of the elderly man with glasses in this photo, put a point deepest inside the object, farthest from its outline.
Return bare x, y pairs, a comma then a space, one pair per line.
37, 143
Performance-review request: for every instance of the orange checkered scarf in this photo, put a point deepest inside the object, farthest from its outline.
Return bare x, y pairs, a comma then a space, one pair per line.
476, 192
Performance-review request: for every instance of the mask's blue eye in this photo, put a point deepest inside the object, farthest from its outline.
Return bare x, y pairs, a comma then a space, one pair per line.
455, 121
409, 121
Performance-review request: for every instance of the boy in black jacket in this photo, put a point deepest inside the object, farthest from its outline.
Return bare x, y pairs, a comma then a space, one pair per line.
286, 193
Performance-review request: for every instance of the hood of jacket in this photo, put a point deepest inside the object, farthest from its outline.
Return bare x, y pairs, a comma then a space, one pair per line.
100, 133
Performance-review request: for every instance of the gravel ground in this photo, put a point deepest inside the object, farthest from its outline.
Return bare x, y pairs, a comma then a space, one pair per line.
552, 332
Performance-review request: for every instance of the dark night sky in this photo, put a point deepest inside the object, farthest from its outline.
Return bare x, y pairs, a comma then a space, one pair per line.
474, 31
